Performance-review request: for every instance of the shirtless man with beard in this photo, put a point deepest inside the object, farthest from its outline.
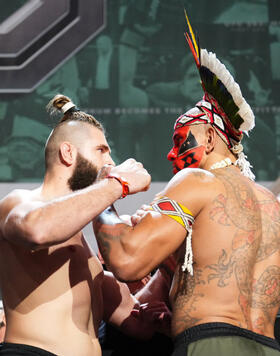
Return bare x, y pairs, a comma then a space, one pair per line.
54, 290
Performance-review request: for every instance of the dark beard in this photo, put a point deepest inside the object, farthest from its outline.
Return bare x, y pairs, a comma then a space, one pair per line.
84, 174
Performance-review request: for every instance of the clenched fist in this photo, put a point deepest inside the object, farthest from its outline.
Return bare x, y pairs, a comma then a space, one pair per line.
132, 172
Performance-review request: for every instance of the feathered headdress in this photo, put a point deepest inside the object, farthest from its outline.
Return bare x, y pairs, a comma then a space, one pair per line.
222, 105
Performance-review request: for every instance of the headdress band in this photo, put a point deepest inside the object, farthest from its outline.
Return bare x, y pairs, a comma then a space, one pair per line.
206, 112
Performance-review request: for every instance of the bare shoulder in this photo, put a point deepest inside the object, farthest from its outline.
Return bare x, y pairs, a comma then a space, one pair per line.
268, 203
14, 198
191, 176
192, 187
265, 193
246, 203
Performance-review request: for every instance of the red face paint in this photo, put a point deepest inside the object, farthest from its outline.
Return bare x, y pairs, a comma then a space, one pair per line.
186, 152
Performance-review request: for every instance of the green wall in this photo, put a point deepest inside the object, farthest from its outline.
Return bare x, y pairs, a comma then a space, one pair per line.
137, 76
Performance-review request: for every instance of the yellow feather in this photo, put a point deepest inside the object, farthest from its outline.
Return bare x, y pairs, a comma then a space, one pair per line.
192, 34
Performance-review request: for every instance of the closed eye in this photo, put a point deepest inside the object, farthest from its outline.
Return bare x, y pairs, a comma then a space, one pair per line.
177, 139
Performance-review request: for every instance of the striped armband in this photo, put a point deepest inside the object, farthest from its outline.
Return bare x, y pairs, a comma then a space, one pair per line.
183, 216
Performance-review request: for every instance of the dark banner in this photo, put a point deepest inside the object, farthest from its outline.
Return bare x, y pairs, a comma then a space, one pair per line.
127, 63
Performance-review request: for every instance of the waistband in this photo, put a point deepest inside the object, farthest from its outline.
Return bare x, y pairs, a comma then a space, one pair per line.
206, 330
23, 349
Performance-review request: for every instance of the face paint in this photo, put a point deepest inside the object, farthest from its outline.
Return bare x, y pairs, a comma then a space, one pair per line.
186, 152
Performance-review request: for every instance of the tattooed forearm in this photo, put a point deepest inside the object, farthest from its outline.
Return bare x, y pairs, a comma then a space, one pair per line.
267, 289
108, 229
104, 243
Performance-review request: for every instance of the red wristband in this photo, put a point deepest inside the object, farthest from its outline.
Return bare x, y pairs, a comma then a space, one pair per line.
124, 184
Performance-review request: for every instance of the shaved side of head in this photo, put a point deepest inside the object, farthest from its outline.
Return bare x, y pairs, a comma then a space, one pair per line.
75, 127
74, 132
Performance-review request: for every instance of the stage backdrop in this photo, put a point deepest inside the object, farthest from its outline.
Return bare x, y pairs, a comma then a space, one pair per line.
127, 63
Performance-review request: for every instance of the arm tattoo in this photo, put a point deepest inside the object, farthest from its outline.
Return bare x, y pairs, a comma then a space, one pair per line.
108, 228
267, 289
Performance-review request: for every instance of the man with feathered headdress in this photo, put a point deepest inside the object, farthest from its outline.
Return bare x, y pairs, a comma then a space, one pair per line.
222, 228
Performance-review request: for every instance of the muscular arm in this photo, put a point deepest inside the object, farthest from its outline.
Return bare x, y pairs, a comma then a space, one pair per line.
34, 223
27, 219
132, 252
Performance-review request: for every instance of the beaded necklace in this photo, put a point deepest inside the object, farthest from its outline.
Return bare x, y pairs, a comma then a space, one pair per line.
221, 164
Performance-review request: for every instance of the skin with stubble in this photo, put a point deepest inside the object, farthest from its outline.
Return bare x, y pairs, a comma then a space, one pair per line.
54, 289
235, 241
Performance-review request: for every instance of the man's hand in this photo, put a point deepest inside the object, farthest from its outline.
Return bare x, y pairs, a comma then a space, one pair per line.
140, 214
156, 315
144, 210
134, 174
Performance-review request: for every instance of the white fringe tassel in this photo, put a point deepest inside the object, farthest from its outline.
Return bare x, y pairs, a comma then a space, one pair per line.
188, 262
242, 162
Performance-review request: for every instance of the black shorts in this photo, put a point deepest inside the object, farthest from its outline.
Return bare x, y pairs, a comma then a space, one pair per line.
11, 349
222, 339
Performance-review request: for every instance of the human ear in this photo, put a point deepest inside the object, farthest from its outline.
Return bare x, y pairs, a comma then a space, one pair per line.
67, 153
210, 139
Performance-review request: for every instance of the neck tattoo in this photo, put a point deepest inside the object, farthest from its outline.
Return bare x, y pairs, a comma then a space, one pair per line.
221, 164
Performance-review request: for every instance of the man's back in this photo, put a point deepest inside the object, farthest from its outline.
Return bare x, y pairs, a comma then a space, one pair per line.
236, 239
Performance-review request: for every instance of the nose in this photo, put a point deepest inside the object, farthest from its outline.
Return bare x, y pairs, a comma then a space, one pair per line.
110, 160
171, 155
